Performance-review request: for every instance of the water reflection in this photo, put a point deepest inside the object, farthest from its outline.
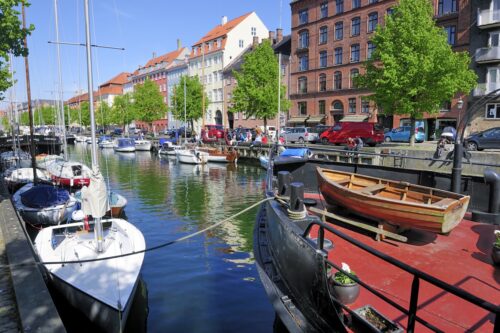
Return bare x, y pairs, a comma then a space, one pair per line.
207, 283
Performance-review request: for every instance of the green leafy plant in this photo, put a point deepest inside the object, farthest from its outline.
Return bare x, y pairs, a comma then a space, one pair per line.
342, 278
497, 238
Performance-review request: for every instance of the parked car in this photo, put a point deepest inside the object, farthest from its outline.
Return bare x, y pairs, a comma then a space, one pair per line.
402, 134
488, 139
319, 129
118, 131
300, 134
215, 131
370, 133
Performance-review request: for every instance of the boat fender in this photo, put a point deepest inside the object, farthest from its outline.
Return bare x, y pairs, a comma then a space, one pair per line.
86, 225
71, 182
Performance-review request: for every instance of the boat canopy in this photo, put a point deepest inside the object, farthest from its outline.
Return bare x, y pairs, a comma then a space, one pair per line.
126, 142
302, 152
43, 196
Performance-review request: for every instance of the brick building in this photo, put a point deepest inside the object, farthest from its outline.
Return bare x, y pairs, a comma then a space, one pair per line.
112, 88
281, 45
330, 42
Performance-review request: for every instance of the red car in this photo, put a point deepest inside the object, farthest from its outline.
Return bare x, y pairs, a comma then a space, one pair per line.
215, 131
371, 133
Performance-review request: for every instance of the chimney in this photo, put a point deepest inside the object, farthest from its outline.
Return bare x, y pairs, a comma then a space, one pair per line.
255, 41
279, 35
271, 37
154, 54
179, 44
224, 20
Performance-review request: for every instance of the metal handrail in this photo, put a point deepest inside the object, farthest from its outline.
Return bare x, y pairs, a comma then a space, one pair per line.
412, 317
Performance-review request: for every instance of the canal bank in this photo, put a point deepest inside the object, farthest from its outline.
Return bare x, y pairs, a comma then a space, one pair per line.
25, 302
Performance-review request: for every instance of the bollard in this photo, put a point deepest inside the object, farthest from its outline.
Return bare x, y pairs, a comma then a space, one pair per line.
297, 197
492, 178
284, 179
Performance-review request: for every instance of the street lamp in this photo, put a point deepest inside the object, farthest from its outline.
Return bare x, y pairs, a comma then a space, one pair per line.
458, 150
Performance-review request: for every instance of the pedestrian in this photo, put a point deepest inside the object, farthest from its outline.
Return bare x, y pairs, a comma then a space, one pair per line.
358, 144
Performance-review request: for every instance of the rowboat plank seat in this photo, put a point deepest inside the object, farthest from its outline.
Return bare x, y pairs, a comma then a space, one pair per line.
343, 181
373, 189
444, 202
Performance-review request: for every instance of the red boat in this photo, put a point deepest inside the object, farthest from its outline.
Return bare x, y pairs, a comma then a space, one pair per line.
416, 281
69, 174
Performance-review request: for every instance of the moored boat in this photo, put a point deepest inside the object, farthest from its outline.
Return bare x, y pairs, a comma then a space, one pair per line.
17, 178
288, 159
124, 145
220, 155
44, 160
168, 148
143, 145
430, 282
397, 203
70, 174
191, 156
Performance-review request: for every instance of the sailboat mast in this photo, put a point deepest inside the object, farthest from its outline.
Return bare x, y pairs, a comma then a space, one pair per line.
28, 95
60, 104
12, 102
88, 48
279, 99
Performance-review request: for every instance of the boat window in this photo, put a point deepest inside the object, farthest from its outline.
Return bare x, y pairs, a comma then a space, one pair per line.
77, 170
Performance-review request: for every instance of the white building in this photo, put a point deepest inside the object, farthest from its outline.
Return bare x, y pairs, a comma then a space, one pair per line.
214, 51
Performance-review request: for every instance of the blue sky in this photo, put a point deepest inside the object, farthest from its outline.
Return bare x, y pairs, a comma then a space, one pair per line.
141, 27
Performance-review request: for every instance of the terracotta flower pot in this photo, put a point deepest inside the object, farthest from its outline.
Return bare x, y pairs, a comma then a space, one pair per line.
345, 293
495, 255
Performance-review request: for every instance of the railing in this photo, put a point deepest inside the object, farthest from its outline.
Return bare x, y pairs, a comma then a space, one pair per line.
415, 288
483, 89
488, 17
487, 54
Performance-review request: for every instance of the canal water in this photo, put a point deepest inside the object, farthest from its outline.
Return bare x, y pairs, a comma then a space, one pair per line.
208, 283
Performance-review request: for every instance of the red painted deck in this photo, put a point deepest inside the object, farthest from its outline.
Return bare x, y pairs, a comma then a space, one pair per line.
462, 259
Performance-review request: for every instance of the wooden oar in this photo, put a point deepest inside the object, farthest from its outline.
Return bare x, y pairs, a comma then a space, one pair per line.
360, 225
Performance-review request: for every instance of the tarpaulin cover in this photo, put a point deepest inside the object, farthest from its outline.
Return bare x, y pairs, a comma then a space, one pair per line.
302, 152
43, 196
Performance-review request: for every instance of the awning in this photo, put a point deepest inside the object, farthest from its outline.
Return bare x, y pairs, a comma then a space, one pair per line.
297, 120
315, 119
355, 118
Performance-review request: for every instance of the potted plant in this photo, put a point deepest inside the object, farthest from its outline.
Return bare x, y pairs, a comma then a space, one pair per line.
343, 287
495, 251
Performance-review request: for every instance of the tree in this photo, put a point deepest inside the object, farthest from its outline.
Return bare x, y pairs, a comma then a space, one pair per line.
123, 111
148, 102
257, 89
103, 116
6, 124
11, 39
194, 97
84, 113
413, 69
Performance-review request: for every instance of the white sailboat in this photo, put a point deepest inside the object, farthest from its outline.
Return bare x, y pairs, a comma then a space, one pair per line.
191, 156
142, 144
102, 289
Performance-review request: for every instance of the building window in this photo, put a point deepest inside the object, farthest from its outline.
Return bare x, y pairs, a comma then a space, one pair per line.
219, 43
303, 62
302, 85
492, 111
302, 108
337, 80
372, 21
352, 105
321, 107
338, 56
339, 30
324, 10
355, 53
303, 16
390, 11
337, 106
322, 82
356, 4
447, 6
323, 35
254, 31
354, 73
372, 1
339, 6
370, 47
445, 106
322, 59
451, 34
303, 39
355, 26
365, 106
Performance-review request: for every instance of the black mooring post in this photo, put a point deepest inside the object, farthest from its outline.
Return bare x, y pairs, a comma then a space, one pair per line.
492, 178
456, 172
284, 179
297, 197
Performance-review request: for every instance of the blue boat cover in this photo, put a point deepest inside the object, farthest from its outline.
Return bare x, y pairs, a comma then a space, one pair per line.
43, 196
301, 152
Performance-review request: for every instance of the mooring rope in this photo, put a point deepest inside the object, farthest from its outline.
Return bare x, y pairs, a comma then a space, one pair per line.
157, 247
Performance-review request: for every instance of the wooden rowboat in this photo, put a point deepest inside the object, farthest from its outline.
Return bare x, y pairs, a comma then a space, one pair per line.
398, 203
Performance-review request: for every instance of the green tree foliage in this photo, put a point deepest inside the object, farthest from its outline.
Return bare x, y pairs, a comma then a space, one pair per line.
257, 89
148, 102
413, 69
122, 110
103, 116
84, 113
194, 97
42, 116
11, 39
6, 124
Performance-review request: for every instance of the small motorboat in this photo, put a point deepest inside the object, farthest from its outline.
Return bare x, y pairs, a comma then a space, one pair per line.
191, 156
168, 148
105, 142
124, 145
42, 205
71, 174
142, 145
397, 203
17, 178
288, 159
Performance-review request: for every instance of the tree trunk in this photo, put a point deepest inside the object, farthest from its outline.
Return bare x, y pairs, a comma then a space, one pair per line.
412, 131
265, 125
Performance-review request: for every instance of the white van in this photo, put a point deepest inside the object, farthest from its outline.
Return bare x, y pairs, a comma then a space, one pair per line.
271, 131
